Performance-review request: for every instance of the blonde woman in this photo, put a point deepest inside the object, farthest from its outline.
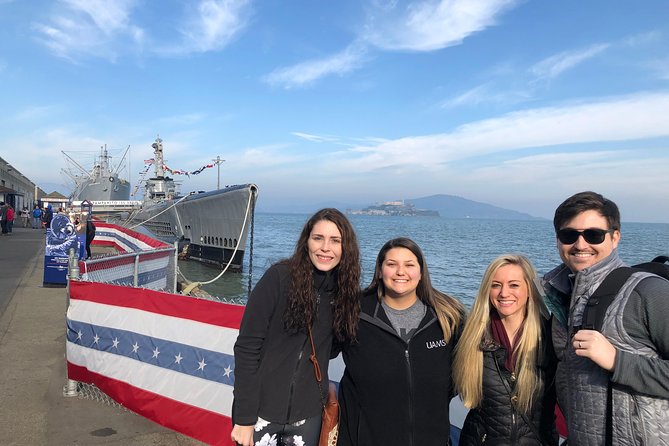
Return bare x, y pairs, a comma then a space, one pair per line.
504, 362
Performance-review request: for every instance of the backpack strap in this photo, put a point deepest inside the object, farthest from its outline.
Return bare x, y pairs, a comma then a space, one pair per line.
595, 309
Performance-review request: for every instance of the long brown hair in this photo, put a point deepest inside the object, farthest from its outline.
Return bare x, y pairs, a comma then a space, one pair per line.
468, 364
299, 313
450, 311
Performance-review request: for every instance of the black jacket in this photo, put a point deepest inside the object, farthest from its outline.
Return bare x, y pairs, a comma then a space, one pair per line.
394, 393
495, 421
274, 378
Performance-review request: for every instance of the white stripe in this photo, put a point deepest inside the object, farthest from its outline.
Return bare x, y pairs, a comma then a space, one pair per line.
122, 235
199, 392
157, 285
153, 264
170, 328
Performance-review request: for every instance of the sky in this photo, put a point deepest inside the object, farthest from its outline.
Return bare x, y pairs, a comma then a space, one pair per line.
352, 102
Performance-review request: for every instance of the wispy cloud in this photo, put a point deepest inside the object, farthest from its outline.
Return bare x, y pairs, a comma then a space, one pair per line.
471, 97
271, 155
557, 64
619, 119
35, 112
423, 25
546, 179
177, 120
108, 29
212, 24
314, 138
430, 25
486, 94
642, 39
522, 86
89, 27
308, 72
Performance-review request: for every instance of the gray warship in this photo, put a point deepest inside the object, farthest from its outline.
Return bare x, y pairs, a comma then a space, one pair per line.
212, 227
101, 182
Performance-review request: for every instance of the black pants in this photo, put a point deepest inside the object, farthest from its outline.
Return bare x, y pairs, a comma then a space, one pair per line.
88, 247
304, 432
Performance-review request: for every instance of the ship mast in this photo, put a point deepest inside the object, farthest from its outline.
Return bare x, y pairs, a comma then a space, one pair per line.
158, 161
104, 160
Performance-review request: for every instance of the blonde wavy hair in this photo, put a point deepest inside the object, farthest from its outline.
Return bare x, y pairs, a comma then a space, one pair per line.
468, 363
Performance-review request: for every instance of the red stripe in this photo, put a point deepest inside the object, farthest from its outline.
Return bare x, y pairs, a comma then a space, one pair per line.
136, 235
176, 305
204, 425
98, 242
113, 262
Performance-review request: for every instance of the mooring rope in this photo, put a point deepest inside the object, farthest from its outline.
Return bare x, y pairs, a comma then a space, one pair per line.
192, 285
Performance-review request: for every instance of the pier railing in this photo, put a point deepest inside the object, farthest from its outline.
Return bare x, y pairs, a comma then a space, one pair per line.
133, 343
134, 260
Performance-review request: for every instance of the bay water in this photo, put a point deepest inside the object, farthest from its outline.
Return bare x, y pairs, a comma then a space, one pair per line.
457, 251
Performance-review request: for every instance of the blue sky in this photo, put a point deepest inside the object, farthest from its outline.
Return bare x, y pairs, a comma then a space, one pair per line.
513, 103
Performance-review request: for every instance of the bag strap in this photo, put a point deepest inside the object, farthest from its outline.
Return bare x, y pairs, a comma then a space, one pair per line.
595, 309
608, 435
317, 368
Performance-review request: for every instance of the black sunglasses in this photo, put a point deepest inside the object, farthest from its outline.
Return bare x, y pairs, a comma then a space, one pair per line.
594, 236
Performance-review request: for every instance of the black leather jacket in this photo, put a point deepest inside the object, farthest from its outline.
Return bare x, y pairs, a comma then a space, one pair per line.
496, 421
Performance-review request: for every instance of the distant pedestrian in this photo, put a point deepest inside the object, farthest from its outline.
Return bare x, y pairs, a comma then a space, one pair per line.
90, 235
47, 216
37, 217
25, 215
3, 216
10, 219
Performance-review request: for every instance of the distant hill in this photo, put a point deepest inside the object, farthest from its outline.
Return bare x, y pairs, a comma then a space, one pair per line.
451, 206
448, 206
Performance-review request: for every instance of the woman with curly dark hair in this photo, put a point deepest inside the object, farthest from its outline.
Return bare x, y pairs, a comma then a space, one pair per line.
277, 399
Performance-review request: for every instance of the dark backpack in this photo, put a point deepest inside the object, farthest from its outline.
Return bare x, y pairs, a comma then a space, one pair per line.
593, 314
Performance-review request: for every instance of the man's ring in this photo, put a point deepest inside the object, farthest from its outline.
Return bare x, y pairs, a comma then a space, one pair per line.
579, 344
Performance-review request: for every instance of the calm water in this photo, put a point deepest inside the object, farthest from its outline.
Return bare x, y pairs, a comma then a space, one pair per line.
457, 251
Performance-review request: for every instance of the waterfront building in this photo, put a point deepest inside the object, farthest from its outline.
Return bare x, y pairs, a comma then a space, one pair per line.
15, 188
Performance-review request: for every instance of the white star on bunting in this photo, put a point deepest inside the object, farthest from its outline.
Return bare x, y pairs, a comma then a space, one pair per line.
135, 347
227, 371
115, 343
202, 365
178, 358
156, 352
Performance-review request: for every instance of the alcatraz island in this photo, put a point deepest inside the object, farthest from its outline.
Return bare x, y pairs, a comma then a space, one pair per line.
394, 208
